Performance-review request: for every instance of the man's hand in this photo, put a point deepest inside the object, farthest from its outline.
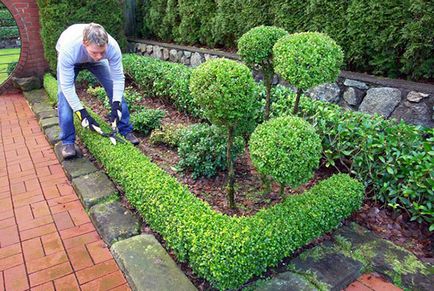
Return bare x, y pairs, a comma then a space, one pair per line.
116, 114
87, 120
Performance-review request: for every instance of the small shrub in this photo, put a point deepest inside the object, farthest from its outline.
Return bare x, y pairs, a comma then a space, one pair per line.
169, 134
133, 98
146, 120
87, 78
100, 93
286, 148
203, 150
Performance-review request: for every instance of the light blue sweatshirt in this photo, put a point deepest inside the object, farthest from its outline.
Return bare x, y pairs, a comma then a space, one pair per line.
71, 51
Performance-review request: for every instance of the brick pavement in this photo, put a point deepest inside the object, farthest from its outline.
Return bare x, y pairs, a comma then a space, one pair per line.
47, 241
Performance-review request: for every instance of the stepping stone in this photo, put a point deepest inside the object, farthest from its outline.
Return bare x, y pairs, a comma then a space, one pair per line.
287, 281
332, 268
147, 265
78, 167
36, 96
48, 122
52, 134
47, 114
93, 188
114, 222
58, 151
44, 106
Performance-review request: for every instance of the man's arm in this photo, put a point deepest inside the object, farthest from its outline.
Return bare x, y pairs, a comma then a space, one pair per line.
117, 72
65, 71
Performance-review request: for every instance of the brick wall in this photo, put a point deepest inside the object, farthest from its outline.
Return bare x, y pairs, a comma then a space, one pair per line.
31, 60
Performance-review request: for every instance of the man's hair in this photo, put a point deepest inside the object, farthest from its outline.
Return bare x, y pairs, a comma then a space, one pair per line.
94, 33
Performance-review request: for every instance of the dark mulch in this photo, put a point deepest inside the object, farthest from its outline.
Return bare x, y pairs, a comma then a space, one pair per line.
250, 197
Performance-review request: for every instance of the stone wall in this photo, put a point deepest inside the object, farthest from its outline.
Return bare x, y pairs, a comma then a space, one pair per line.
392, 98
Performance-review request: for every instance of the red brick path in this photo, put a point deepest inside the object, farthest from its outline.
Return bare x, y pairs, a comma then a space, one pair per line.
369, 282
47, 241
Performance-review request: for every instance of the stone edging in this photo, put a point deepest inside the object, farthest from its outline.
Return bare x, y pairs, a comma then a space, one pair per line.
392, 98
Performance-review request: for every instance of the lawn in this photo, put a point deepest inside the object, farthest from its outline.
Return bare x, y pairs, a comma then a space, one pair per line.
7, 56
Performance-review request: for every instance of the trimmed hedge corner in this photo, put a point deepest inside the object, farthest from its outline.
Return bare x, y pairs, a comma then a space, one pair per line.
225, 250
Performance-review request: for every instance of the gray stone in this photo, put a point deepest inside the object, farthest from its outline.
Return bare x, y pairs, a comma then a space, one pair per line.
40, 107
47, 114
93, 188
414, 96
414, 113
114, 222
52, 134
48, 122
333, 269
352, 96
287, 281
78, 167
149, 49
147, 265
58, 151
173, 56
196, 59
36, 96
207, 57
157, 53
165, 54
185, 60
325, 92
179, 55
187, 54
141, 48
381, 100
356, 84
27, 83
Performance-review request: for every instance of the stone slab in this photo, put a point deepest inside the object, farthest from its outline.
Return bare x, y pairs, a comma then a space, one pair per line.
52, 134
36, 96
147, 265
78, 167
40, 107
48, 122
58, 152
47, 114
287, 281
114, 222
93, 188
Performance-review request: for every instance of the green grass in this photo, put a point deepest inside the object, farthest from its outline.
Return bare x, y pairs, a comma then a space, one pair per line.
7, 57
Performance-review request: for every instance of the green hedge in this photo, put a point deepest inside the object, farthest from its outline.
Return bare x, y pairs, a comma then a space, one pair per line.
6, 18
404, 180
57, 15
392, 38
50, 85
9, 32
225, 250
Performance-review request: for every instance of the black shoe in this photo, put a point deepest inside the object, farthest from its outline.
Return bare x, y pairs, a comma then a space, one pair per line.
132, 138
68, 151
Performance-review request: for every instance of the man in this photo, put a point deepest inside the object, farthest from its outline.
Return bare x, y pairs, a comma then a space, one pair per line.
89, 46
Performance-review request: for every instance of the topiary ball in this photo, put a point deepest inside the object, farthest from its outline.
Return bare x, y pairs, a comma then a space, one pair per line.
286, 148
255, 47
224, 89
307, 59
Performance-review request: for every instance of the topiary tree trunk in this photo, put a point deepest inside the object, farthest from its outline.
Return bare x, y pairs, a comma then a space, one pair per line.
297, 101
231, 172
268, 76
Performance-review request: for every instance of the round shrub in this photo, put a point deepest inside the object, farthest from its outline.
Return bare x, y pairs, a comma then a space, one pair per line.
202, 149
286, 148
307, 59
146, 119
256, 46
225, 91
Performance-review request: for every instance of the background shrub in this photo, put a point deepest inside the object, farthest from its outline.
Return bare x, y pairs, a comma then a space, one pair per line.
57, 15
202, 150
168, 134
100, 94
6, 18
286, 148
146, 119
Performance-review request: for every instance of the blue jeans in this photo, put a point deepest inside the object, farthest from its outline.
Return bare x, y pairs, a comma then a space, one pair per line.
102, 72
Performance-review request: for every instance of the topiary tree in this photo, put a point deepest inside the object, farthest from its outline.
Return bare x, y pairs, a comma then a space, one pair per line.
306, 60
224, 89
286, 148
256, 50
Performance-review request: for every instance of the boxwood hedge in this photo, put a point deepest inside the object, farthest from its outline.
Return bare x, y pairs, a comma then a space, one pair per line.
225, 250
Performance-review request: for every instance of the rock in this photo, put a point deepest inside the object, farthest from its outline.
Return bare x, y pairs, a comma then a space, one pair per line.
381, 100
165, 54
325, 92
147, 265
114, 222
352, 96
78, 167
287, 281
179, 55
157, 52
149, 49
185, 60
27, 83
173, 56
414, 113
141, 48
414, 96
187, 54
196, 59
356, 84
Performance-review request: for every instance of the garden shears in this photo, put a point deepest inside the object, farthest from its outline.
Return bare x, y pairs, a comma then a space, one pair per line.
113, 135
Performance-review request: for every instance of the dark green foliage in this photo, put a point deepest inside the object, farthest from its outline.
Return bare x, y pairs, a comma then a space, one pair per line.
169, 134
394, 159
6, 18
202, 150
146, 119
11, 67
57, 15
88, 78
9, 32
286, 148
99, 93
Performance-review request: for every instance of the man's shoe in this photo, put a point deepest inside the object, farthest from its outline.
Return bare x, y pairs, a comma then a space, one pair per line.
132, 138
68, 151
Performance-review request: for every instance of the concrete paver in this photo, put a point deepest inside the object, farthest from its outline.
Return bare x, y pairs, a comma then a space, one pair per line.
47, 241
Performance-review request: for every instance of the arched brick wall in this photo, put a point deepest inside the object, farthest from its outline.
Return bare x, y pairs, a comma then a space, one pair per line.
31, 60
